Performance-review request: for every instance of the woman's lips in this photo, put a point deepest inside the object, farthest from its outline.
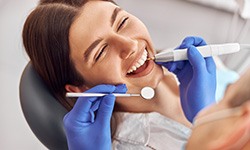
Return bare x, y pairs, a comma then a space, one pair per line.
143, 70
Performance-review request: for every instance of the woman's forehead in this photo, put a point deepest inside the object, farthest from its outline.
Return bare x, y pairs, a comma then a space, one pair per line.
90, 23
96, 7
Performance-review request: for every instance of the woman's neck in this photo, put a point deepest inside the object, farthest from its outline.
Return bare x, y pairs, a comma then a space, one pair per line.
168, 100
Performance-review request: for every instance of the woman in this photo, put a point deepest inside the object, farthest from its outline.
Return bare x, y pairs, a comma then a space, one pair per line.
98, 47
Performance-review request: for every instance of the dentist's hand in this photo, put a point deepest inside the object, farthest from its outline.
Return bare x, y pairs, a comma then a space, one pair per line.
197, 78
87, 125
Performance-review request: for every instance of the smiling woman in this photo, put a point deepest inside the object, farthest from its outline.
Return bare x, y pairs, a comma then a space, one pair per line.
71, 45
113, 39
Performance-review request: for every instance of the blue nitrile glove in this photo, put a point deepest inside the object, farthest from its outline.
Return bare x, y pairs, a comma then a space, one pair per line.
87, 125
197, 78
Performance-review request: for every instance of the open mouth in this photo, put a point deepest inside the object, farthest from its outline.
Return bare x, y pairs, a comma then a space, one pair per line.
140, 66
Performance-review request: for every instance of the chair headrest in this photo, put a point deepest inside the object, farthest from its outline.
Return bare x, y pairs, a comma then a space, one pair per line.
42, 111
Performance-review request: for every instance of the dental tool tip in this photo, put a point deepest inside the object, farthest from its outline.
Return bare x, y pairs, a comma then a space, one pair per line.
151, 58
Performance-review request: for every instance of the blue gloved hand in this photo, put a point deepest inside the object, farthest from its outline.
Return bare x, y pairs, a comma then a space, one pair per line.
197, 78
87, 125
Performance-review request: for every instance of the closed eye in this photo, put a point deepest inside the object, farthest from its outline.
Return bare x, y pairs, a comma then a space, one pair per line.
122, 23
100, 53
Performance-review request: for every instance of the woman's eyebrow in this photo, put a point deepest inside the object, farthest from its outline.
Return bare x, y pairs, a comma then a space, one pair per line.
90, 48
114, 15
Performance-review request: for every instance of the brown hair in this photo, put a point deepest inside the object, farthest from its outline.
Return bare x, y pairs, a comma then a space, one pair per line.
45, 38
75, 3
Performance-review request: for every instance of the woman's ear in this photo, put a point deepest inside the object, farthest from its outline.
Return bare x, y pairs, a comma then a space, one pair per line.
75, 89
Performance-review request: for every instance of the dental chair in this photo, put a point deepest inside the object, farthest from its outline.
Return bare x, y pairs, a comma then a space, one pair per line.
42, 112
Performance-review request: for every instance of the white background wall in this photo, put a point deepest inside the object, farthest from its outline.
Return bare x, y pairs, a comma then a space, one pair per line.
14, 131
169, 21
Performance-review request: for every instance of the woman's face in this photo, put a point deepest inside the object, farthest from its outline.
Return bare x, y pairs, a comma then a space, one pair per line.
109, 45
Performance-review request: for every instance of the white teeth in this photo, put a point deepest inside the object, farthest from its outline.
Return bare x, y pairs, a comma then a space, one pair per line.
133, 68
137, 64
140, 62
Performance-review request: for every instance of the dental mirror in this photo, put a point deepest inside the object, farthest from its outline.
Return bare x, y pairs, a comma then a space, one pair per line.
146, 93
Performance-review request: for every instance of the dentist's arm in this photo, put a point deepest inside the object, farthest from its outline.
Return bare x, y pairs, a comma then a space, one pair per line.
87, 125
197, 78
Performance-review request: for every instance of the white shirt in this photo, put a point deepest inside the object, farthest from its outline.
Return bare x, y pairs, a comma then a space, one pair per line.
137, 131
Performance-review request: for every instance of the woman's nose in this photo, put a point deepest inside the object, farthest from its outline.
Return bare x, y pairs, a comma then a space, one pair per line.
126, 46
